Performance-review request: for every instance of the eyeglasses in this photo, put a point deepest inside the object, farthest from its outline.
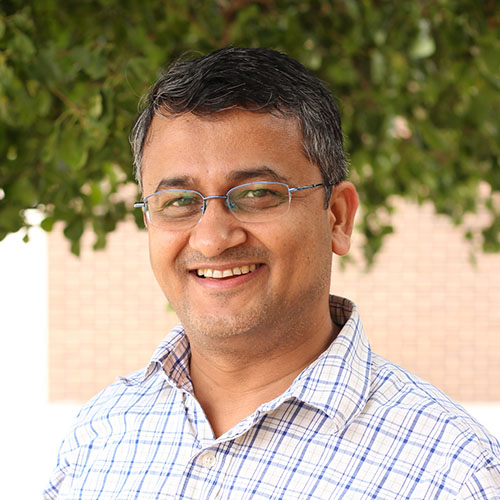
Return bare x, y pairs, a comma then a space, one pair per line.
251, 202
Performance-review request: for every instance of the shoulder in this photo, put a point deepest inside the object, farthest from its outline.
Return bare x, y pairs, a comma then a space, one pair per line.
115, 410
135, 391
423, 414
394, 387
140, 389
106, 419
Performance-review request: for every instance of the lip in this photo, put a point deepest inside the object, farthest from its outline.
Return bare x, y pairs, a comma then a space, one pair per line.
225, 283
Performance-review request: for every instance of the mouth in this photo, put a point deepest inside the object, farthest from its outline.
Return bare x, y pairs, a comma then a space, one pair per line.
226, 273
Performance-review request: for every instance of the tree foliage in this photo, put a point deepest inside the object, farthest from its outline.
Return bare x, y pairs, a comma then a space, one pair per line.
417, 83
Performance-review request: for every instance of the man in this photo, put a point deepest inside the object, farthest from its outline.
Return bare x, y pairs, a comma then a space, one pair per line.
268, 388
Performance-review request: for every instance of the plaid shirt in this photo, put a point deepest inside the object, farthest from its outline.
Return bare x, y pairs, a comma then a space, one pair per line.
351, 425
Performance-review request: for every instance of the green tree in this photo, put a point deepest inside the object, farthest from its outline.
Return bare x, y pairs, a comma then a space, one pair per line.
417, 83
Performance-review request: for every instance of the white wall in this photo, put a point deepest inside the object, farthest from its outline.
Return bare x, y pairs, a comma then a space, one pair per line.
23, 318
23, 361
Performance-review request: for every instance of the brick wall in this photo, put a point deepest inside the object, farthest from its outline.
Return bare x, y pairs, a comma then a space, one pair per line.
424, 306
106, 313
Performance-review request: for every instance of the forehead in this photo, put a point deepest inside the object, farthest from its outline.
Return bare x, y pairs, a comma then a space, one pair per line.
216, 145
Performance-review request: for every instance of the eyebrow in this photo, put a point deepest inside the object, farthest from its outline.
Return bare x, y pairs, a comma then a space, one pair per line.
181, 181
186, 181
243, 175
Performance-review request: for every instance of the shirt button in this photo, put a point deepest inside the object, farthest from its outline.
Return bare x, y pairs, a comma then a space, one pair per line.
208, 460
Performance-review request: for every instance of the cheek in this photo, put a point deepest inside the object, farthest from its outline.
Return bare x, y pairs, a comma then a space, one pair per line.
163, 249
308, 247
299, 248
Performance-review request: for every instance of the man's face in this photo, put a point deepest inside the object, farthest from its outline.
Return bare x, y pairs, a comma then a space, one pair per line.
290, 257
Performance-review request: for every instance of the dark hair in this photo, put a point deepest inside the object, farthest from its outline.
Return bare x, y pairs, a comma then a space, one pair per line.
260, 80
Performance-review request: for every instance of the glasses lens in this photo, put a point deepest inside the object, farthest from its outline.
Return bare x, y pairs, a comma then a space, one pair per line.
259, 201
174, 208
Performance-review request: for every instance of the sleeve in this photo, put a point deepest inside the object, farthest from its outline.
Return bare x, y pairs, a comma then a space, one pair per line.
484, 484
51, 492
71, 461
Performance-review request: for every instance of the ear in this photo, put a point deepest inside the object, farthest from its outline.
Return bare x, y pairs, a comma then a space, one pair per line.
145, 219
342, 209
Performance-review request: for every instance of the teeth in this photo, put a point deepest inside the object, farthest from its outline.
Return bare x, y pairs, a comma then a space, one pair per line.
226, 273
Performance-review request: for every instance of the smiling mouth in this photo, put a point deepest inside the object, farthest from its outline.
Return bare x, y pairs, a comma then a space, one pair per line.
226, 273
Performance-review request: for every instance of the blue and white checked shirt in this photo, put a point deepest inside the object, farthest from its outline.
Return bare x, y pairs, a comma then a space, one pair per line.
352, 425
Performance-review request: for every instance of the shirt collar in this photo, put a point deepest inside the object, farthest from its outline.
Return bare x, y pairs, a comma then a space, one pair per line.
172, 355
337, 382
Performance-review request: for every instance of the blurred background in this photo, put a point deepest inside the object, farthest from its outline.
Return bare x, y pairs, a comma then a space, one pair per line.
418, 86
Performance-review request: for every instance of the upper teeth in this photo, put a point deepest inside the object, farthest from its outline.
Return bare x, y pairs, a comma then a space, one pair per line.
224, 273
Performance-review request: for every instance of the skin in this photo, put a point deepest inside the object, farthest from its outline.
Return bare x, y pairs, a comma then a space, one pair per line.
250, 335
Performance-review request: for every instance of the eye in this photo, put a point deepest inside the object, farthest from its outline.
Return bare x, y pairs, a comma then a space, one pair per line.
257, 193
258, 197
174, 203
183, 201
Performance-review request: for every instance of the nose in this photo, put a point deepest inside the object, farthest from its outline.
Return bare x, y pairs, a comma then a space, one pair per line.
217, 231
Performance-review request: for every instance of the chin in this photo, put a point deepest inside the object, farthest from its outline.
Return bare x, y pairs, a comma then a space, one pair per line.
216, 326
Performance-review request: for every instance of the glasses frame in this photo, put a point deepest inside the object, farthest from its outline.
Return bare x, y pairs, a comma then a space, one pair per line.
291, 190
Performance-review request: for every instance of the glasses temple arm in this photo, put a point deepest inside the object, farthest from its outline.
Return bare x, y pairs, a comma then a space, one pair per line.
301, 188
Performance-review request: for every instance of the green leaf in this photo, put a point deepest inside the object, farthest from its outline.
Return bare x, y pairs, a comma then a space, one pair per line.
70, 148
21, 191
75, 247
424, 45
22, 46
95, 106
377, 64
74, 230
47, 224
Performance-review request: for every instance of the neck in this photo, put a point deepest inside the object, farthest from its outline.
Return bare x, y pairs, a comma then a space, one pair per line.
231, 382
